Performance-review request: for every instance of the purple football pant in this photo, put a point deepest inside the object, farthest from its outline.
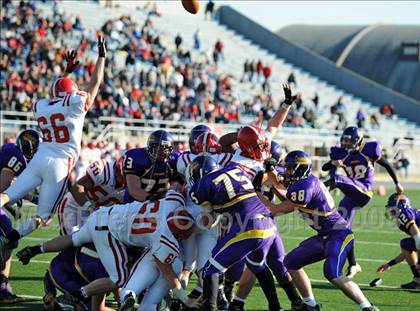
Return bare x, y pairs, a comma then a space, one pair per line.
408, 244
71, 270
333, 247
356, 196
6, 226
258, 244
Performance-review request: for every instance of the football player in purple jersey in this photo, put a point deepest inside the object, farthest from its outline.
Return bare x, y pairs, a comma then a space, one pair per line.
13, 160
307, 194
408, 220
252, 234
148, 170
70, 270
357, 158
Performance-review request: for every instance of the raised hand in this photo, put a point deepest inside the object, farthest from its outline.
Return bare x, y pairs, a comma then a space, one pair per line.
288, 98
101, 46
72, 62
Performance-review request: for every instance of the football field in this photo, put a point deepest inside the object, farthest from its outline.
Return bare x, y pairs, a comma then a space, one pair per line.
377, 241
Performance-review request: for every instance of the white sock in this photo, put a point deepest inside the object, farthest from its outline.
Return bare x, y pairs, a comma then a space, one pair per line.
26, 227
365, 304
310, 301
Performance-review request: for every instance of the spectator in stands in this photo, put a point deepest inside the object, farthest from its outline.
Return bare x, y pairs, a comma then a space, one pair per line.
197, 40
252, 70
291, 79
260, 68
315, 100
401, 162
360, 119
246, 70
218, 51
387, 110
209, 9
374, 123
267, 74
178, 41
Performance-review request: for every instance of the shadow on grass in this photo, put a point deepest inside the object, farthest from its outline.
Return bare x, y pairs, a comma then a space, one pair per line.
25, 278
26, 306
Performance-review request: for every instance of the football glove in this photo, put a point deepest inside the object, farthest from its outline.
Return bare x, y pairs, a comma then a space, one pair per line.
25, 255
288, 98
72, 62
270, 164
101, 46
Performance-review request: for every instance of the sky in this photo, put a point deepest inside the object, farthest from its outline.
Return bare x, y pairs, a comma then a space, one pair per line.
277, 14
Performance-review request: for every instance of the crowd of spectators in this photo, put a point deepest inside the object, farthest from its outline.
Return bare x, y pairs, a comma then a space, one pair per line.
154, 81
147, 76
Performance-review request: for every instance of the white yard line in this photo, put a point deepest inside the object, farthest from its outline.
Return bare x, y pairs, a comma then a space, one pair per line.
35, 261
30, 296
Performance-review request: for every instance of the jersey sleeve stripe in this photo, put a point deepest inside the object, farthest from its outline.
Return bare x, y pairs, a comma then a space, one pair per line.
34, 106
109, 172
183, 160
189, 158
170, 242
169, 245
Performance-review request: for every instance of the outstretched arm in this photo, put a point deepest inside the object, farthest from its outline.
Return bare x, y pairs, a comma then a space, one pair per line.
72, 62
384, 163
389, 264
278, 119
54, 245
98, 73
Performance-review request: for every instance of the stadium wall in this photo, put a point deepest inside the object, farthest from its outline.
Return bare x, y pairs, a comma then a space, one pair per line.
317, 65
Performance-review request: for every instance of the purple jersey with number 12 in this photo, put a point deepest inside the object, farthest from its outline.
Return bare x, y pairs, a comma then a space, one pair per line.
359, 165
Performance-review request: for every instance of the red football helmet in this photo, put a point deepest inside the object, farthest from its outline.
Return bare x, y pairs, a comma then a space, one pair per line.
181, 223
254, 143
208, 143
63, 86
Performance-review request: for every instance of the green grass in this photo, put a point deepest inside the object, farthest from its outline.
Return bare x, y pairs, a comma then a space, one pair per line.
377, 241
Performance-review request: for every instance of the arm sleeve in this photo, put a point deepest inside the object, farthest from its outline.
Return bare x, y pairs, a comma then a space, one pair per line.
166, 251
78, 102
132, 164
200, 193
406, 218
98, 171
327, 166
384, 162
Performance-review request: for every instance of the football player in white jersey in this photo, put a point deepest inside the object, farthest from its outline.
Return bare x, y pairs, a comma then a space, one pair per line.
60, 119
197, 249
154, 225
102, 185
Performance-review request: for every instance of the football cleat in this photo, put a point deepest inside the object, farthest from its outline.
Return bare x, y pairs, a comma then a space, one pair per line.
414, 284
353, 270
49, 302
371, 308
4, 250
177, 305
128, 302
222, 302
297, 306
305, 307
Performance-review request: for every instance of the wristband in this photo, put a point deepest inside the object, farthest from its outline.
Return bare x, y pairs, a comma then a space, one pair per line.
284, 105
392, 262
180, 293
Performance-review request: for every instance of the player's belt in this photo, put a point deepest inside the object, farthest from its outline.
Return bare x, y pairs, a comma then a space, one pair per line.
101, 228
89, 252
